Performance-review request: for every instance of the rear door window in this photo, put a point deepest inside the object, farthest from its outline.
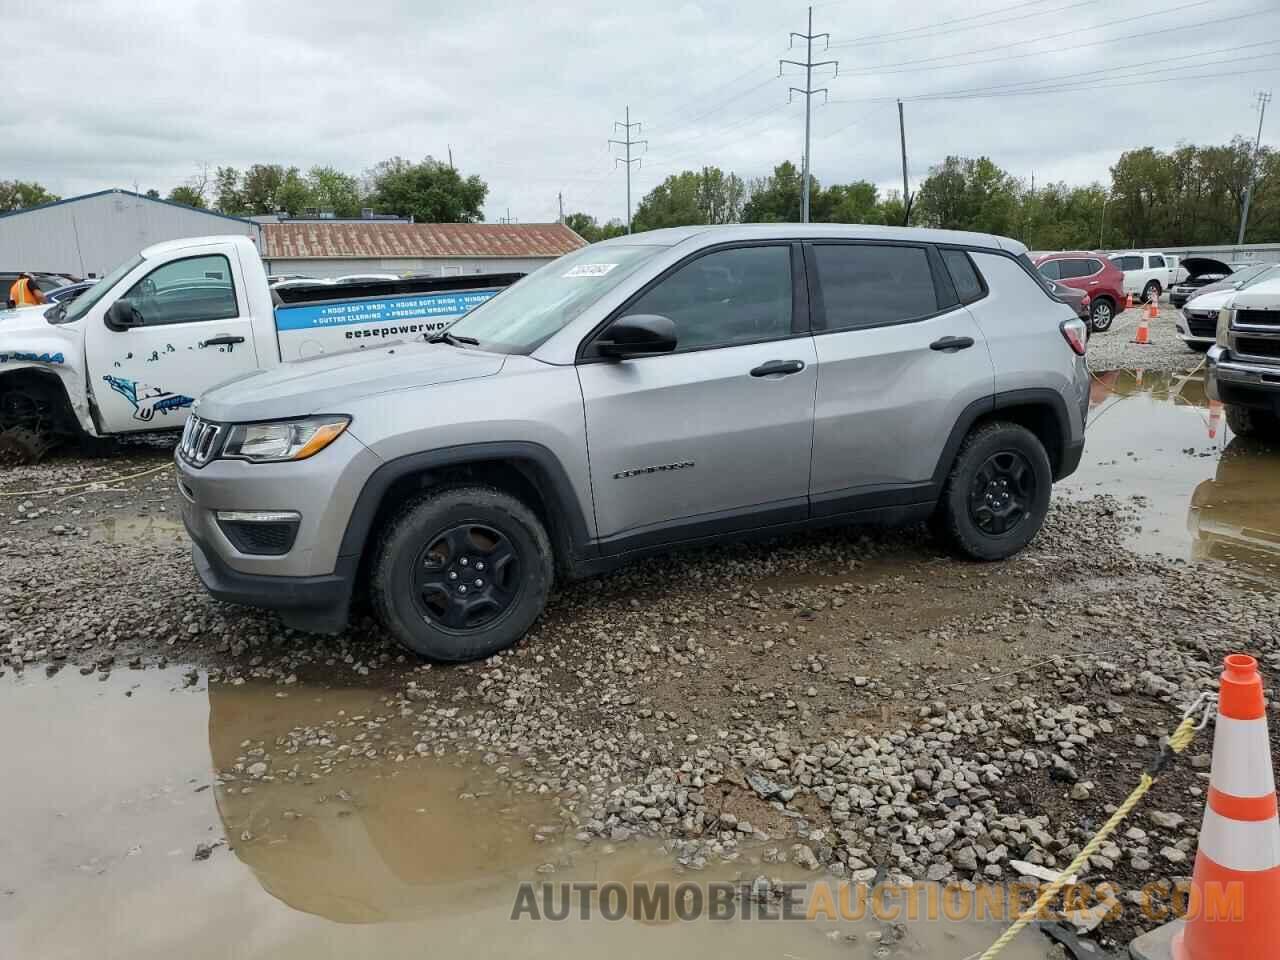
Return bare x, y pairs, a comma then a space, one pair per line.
1073, 269
964, 275
1155, 262
1051, 269
870, 285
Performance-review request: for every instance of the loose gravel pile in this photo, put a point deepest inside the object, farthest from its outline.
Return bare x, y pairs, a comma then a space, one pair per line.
854, 701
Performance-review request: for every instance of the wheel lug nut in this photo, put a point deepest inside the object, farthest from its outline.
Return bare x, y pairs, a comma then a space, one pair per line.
453, 574
463, 561
462, 588
479, 582
479, 564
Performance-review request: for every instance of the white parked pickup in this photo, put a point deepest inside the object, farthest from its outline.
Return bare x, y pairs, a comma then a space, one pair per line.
133, 353
1147, 273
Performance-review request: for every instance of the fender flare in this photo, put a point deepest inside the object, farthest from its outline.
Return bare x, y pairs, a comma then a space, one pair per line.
1030, 397
569, 525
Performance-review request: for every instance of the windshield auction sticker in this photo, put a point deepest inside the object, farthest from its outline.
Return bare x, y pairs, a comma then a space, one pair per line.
590, 270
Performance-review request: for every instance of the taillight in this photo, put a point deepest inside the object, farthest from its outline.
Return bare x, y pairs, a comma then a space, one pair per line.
1076, 334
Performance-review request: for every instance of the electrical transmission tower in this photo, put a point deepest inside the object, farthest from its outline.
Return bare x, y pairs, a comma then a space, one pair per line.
1263, 100
808, 92
627, 143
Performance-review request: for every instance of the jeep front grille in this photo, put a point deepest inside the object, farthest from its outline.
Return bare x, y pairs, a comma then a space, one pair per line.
200, 441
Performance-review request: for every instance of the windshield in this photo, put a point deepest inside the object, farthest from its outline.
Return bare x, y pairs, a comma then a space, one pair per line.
1242, 278
77, 308
524, 315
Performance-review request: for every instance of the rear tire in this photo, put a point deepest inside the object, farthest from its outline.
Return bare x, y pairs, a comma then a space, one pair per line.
1151, 292
461, 573
1101, 314
997, 494
1248, 422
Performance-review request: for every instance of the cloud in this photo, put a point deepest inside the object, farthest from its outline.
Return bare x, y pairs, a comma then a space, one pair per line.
526, 94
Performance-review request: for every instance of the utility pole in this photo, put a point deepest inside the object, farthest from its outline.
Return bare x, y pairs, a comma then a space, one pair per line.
1103, 229
808, 92
560, 197
906, 194
628, 143
449, 147
1263, 100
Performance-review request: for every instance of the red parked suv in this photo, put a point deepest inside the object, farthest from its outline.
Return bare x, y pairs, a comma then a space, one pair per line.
1093, 273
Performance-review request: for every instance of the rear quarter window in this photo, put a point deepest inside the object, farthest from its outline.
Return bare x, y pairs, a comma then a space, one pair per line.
969, 284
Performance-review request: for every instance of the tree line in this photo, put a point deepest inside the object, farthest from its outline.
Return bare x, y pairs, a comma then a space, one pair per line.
1191, 195
1187, 196
431, 191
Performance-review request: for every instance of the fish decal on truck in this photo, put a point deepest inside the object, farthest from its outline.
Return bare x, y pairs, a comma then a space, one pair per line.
148, 400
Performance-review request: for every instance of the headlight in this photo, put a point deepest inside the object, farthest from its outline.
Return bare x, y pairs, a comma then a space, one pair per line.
282, 440
1224, 328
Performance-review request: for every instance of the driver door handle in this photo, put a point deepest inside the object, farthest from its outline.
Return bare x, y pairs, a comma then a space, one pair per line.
952, 344
778, 368
224, 341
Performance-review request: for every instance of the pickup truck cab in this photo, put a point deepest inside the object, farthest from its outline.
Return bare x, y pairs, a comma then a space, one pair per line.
661, 389
1147, 273
133, 352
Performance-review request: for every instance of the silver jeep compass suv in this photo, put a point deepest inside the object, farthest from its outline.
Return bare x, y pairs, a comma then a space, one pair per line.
657, 390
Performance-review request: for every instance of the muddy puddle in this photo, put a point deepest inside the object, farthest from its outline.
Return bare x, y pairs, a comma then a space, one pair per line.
1206, 494
112, 787
131, 528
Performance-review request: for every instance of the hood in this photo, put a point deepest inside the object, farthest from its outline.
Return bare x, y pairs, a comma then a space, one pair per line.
328, 382
1263, 295
1199, 266
26, 337
1213, 297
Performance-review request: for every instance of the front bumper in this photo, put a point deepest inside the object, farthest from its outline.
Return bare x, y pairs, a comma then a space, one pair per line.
1244, 384
313, 604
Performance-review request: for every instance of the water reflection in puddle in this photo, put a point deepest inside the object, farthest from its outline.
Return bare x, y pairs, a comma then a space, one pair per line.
1206, 493
113, 784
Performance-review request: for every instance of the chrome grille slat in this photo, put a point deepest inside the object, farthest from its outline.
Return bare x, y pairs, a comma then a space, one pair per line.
199, 442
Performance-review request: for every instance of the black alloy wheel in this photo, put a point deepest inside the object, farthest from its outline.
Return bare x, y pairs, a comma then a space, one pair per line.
466, 577
1002, 493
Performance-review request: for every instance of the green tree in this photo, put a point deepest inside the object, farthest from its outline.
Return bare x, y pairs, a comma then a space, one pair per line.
776, 198
585, 226
856, 202
331, 189
967, 194
18, 195
260, 185
188, 195
430, 191
294, 194
228, 194
152, 194
704, 196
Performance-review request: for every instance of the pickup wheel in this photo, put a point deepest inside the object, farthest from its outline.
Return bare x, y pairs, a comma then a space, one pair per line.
1248, 422
1151, 292
997, 494
461, 573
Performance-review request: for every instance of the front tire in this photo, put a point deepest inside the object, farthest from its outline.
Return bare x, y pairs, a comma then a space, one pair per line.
997, 494
1151, 293
1248, 422
1101, 314
461, 573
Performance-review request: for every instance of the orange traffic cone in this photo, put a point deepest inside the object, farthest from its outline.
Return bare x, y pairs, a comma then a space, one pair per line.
1238, 864
1128, 301
1215, 417
1153, 308
1143, 335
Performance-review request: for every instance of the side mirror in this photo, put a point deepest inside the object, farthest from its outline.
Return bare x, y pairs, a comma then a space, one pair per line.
639, 335
123, 315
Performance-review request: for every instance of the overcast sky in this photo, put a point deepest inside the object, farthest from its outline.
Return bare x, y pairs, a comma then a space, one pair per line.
114, 93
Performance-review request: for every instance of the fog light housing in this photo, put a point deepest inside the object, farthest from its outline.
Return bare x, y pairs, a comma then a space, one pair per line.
261, 533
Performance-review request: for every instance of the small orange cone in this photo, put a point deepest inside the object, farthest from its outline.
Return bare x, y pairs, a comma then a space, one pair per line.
1153, 308
1128, 301
1237, 869
1215, 417
1143, 335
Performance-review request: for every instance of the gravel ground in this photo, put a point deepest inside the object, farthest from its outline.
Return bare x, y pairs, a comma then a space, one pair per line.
1114, 349
856, 701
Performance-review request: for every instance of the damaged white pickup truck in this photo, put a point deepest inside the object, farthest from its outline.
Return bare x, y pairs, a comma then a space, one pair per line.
133, 353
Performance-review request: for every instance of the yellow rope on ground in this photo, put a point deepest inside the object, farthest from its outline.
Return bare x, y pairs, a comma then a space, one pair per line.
76, 486
1183, 736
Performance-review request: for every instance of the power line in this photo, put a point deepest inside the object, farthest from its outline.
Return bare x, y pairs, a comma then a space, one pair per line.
1078, 88
1052, 36
808, 92
1141, 35
976, 26
1263, 100
941, 23
628, 143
